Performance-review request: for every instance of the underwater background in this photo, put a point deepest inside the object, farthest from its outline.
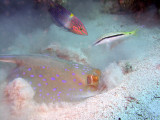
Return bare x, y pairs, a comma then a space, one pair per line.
131, 70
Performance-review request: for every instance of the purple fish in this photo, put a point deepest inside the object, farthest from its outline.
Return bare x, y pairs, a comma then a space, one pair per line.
66, 19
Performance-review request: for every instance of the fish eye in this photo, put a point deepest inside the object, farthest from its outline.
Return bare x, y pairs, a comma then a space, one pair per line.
80, 28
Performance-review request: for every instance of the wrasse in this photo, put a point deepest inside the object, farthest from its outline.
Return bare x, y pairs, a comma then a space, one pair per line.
66, 19
55, 80
114, 39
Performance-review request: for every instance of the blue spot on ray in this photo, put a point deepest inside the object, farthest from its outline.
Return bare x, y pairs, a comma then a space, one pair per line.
53, 78
80, 89
54, 89
73, 73
57, 75
44, 79
31, 75
74, 80
40, 75
29, 69
64, 81
80, 83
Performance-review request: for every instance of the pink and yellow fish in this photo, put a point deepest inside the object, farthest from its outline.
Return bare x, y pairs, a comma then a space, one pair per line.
66, 19
56, 80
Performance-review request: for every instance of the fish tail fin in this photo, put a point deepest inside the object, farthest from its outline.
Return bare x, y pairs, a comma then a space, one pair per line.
50, 3
134, 32
137, 29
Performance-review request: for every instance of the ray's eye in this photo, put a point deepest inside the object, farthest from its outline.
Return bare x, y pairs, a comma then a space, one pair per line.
92, 80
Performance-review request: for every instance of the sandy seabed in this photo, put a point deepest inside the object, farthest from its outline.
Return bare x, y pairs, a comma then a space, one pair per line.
135, 98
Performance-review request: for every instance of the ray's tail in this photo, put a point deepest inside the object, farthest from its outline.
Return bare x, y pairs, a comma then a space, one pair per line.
7, 58
10, 59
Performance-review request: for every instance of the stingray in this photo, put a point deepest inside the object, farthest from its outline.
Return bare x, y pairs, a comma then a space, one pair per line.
54, 79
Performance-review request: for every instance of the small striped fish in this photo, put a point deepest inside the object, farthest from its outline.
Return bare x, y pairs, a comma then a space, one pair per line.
113, 38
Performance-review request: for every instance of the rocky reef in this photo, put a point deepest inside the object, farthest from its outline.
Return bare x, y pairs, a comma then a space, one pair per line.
116, 6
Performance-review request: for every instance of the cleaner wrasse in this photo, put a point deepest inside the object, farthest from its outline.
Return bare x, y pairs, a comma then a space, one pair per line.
114, 38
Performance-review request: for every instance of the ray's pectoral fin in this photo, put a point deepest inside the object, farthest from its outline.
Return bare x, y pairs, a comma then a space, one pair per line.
13, 60
14, 73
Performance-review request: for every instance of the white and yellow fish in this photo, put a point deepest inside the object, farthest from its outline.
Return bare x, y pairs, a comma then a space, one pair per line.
114, 39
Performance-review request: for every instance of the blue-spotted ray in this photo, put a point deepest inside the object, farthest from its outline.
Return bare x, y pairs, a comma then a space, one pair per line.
54, 79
